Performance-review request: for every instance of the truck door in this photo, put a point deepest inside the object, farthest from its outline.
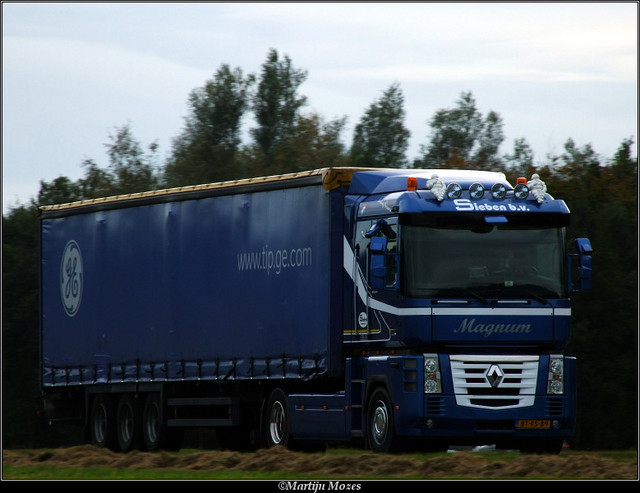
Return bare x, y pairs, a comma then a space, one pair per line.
375, 275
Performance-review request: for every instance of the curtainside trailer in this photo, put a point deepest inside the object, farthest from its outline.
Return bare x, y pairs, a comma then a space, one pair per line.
376, 306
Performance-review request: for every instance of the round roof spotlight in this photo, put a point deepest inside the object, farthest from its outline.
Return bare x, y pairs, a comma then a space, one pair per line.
521, 191
476, 191
454, 190
498, 191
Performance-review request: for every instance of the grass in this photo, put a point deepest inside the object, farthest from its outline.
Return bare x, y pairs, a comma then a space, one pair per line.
44, 472
73, 473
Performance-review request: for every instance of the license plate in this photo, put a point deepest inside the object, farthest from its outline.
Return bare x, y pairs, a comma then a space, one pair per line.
534, 424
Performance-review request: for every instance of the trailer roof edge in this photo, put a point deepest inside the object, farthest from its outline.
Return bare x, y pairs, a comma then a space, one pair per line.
330, 178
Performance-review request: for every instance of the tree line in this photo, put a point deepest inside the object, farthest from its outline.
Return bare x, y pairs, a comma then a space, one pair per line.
600, 192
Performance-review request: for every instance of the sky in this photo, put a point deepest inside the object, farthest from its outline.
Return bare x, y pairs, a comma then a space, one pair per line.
73, 73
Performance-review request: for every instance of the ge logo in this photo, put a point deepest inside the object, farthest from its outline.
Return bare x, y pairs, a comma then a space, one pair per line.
71, 278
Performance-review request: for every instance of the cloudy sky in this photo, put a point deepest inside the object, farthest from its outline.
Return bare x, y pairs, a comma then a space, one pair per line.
73, 72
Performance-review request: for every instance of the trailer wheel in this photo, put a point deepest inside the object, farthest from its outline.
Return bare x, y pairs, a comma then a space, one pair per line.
155, 432
380, 430
152, 422
102, 421
128, 423
277, 420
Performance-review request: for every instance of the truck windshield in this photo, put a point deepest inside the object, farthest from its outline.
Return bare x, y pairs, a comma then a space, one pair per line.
491, 262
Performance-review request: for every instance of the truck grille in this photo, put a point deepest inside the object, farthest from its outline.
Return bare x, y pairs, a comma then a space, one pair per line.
494, 382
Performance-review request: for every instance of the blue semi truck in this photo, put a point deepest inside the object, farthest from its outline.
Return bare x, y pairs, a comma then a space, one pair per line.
376, 306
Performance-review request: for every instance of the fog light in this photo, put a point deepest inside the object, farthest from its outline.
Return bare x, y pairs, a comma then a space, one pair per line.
430, 386
555, 387
429, 423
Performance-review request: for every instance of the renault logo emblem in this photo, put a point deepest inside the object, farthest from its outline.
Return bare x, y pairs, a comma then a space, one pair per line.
494, 376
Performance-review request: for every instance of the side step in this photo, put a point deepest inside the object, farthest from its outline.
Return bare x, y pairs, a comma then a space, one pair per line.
357, 419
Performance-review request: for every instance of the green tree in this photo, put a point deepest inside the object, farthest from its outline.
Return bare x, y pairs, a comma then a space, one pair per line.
59, 191
20, 374
380, 138
488, 144
276, 104
313, 144
461, 138
206, 149
520, 163
603, 202
97, 182
133, 169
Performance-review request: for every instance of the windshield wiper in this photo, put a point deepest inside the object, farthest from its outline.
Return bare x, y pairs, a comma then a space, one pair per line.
484, 301
459, 291
527, 291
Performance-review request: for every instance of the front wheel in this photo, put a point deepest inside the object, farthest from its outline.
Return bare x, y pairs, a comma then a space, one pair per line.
277, 420
380, 430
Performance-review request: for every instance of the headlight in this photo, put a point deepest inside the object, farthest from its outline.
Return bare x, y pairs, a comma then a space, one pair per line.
432, 383
555, 383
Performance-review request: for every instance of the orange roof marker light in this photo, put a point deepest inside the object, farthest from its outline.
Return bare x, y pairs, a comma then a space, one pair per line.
412, 184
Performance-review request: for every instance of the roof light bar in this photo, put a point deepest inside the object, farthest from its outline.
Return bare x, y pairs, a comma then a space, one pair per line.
521, 191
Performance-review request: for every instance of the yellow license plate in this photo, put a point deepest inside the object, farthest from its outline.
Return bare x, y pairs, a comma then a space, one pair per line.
534, 424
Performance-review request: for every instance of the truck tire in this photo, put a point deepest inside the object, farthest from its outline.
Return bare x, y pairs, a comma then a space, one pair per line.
152, 422
128, 423
155, 432
102, 422
277, 420
380, 429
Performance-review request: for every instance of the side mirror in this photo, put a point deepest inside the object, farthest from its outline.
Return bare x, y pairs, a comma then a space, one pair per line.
585, 271
381, 226
378, 265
